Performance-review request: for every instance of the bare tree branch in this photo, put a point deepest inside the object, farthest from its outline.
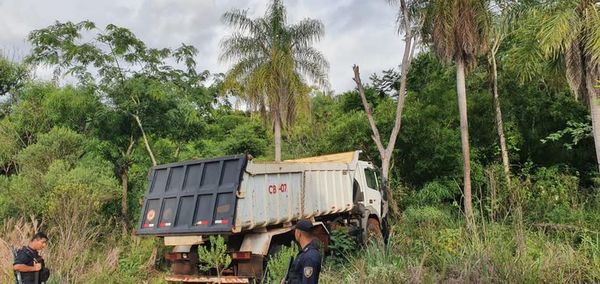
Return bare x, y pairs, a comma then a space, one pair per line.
386, 153
146, 143
361, 91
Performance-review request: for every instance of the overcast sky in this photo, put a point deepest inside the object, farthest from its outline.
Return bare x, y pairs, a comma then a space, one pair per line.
359, 32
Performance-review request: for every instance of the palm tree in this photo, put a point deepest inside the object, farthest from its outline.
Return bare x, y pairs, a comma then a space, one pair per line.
570, 30
270, 58
458, 30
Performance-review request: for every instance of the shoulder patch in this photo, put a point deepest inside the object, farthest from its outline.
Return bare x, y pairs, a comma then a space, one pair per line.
308, 271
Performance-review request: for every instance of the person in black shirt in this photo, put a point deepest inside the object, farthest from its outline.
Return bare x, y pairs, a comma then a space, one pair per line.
29, 266
306, 266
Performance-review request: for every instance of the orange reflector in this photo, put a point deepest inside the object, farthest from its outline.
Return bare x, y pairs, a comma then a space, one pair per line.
241, 255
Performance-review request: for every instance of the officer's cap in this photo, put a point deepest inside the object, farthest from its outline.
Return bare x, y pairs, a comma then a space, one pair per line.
303, 225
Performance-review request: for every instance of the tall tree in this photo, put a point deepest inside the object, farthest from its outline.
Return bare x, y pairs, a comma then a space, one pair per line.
569, 30
135, 82
406, 24
497, 35
505, 10
270, 58
458, 30
12, 75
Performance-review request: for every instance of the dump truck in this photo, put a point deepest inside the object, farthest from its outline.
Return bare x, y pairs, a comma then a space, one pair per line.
253, 206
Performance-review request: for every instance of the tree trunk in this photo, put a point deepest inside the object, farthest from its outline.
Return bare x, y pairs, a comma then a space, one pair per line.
464, 135
385, 169
124, 192
277, 135
146, 143
594, 101
385, 176
125, 184
499, 123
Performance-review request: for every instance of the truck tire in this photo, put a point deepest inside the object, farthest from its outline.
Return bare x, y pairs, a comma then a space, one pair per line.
374, 234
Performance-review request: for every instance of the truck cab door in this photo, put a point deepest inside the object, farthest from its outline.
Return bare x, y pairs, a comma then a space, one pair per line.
372, 190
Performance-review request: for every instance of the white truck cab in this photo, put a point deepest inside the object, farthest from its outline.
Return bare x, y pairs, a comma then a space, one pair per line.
369, 181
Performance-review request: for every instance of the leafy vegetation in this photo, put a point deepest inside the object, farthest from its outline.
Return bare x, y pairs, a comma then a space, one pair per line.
214, 256
279, 263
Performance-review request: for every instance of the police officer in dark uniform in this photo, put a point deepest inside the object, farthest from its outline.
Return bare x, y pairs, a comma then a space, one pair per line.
29, 266
306, 266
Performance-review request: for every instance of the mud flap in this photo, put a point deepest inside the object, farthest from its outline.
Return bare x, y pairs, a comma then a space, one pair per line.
184, 260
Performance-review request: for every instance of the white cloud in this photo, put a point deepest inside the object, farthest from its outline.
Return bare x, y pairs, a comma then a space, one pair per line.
357, 31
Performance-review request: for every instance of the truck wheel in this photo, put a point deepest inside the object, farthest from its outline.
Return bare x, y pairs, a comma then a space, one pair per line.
374, 234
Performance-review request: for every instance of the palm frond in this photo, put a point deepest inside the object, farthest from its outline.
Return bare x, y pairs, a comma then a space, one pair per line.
559, 29
238, 46
306, 32
239, 20
244, 68
313, 64
574, 67
276, 15
592, 32
416, 11
457, 29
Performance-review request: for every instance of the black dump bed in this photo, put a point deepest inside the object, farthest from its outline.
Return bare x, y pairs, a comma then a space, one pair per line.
192, 197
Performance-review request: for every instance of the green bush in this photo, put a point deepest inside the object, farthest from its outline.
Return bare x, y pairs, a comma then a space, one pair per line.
436, 192
246, 138
278, 264
341, 243
135, 260
59, 143
550, 194
214, 255
424, 216
371, 265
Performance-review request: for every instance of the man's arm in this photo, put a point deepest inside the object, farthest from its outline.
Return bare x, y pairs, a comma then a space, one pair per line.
22, 261
27, 268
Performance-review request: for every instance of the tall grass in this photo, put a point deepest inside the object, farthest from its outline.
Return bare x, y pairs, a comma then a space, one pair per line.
14, 234
120, 259
447, 254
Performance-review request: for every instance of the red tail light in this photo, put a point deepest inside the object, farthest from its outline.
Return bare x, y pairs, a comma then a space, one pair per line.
173, 256
241, 255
